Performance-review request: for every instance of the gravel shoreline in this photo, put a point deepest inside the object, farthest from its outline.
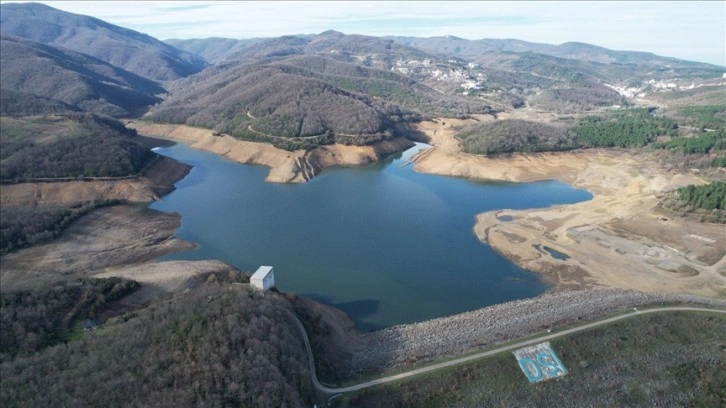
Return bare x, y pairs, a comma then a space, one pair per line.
424, 341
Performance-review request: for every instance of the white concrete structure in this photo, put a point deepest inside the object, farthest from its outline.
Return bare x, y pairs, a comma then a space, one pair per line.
263, 278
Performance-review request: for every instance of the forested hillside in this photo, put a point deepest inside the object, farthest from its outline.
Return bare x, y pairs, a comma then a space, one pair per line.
34, 320
214, 49
509, 136
69, 80
631, 128
625, 128
14, 103
472, 49
118, 46
73, 78
222, 345
68, 145
304, 101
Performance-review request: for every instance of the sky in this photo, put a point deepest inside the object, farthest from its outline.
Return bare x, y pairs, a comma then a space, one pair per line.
688, 30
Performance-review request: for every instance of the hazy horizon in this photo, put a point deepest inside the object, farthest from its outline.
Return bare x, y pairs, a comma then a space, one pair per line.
685, 30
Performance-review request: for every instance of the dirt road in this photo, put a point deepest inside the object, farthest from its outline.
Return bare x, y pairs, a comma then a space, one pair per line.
437, 366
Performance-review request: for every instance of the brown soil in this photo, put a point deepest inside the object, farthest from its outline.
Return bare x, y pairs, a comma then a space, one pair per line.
615, 240
285, 167
161, 278
107, 237
156, 181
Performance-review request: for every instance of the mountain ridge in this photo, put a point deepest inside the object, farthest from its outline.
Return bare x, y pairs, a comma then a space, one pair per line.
74, 78
134, 51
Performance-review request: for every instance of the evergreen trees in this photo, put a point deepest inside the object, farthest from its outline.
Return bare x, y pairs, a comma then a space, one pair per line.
708, 197
631, 128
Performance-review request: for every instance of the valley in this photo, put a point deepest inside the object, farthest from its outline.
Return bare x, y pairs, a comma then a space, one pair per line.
424, 201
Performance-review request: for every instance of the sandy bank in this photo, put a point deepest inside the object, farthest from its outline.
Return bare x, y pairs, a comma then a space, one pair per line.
615, 240
285, 167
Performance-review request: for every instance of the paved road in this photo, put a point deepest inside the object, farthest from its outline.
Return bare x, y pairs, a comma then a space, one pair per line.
433, 367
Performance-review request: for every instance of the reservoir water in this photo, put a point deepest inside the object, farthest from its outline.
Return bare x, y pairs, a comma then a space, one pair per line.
382, 242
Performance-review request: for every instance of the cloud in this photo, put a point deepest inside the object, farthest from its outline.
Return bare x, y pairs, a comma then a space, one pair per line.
690, 29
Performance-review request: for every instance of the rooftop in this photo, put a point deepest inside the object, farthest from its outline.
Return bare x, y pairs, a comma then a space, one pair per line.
261, 272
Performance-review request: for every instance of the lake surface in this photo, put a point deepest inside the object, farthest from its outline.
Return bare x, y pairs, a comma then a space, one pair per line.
382, 242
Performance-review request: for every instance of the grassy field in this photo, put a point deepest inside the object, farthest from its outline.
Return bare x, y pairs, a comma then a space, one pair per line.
669, 359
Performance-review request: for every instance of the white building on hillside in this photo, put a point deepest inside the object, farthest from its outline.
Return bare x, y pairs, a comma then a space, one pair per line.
263, 278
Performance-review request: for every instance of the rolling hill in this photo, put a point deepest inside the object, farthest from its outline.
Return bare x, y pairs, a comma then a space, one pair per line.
304, 100
73, 78
214, 49
68, 145
124, 48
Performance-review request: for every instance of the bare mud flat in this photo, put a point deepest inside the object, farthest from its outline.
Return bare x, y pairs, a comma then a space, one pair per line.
616, 240
111, 237
285, 166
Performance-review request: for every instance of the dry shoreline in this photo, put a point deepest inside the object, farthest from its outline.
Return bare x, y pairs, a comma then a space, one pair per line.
156, 181
616, 240
285, 166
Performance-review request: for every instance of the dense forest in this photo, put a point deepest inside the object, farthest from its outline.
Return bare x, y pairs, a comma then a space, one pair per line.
701, 143
706, 202
125, 49
683, 147
289, 111
74, 78
14, 103
68, 145
509, 136
218, 346
629, 128
304, 101
32, 320
702, 117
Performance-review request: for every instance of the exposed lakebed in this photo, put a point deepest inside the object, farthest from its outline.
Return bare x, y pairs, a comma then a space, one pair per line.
382, 242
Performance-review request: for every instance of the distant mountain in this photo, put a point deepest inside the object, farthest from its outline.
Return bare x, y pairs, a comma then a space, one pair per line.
73, 78
214, 49
124, 48
475, 49
360, 49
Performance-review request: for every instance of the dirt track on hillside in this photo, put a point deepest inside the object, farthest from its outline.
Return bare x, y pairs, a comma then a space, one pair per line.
156, 181
615, 240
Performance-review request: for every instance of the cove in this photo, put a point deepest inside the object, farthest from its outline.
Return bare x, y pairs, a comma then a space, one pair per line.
382, 242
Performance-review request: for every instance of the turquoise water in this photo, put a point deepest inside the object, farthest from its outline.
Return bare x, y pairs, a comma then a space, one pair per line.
382, 242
